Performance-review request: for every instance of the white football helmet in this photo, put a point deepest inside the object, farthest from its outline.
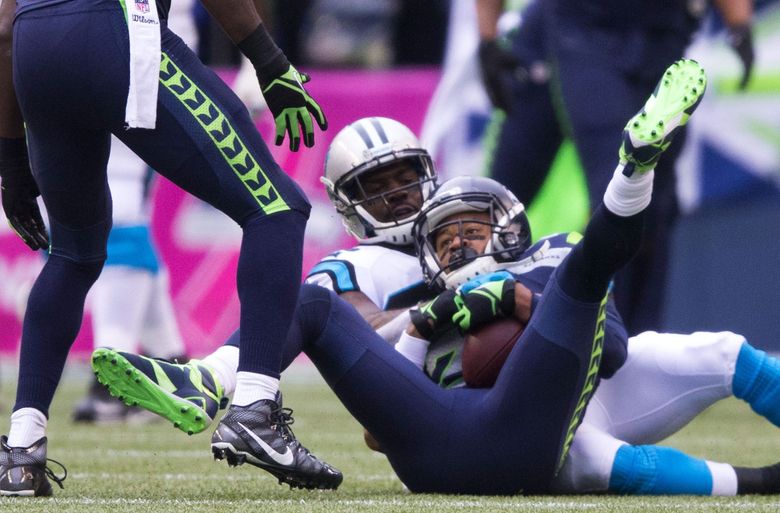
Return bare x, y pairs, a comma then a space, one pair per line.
510, 230
368, 145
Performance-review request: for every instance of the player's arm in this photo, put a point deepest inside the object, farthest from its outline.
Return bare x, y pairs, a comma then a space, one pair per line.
282, 86
367, 309
11, 125
488, 13
738, 17
495, 59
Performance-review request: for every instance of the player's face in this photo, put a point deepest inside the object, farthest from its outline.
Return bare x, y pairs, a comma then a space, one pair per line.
461, 237
392, 192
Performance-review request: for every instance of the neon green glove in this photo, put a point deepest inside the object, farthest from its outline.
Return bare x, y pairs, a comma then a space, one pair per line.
292, 107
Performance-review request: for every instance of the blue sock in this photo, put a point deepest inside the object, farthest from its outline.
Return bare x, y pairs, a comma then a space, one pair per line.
757, 382
654, 470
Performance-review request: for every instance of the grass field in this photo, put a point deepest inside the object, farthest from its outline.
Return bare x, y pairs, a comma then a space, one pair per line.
155, 468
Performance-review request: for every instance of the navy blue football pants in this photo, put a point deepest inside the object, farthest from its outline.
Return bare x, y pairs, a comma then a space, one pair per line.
503, 440
71, 77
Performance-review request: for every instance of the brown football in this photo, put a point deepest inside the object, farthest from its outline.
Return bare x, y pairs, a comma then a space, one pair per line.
486, 349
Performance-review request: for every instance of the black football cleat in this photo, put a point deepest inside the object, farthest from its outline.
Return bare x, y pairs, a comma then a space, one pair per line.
260, 434
23, 470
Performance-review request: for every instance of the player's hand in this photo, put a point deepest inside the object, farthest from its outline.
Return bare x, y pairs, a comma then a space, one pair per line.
431, 318
497, 63
485, 303
740, 38
18, 194
293, 108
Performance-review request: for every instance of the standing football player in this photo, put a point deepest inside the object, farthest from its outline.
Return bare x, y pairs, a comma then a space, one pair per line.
83, 71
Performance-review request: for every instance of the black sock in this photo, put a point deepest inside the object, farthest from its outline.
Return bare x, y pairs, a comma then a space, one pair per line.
761, 480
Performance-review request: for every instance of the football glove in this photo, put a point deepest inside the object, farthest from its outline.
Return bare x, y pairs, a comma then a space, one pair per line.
292, 107
483, 304
18, 194
21, 209
497, 64
740, 38
435, 316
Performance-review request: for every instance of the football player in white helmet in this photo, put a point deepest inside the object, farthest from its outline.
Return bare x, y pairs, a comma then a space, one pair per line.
377, 175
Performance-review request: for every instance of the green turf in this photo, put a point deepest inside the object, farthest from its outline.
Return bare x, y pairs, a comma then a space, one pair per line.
156, 468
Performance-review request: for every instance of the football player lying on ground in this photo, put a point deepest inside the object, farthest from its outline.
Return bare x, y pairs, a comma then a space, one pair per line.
745, 353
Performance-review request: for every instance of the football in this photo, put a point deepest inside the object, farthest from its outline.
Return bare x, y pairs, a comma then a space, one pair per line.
485, 350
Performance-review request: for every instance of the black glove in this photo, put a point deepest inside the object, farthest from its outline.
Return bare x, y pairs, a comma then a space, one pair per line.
497, 64
18, 194
740, 38
485, 303
435, 316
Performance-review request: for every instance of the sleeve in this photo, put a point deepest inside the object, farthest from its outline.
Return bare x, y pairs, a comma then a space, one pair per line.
336, 275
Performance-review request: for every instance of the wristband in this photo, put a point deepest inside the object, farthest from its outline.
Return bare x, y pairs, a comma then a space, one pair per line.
413, 348
268, 59
12, 150
13, 157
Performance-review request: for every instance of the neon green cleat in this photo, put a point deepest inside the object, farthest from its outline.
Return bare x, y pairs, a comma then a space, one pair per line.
189, 395
650, 131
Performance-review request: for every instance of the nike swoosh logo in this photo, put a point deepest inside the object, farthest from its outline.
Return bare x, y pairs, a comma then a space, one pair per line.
285, 459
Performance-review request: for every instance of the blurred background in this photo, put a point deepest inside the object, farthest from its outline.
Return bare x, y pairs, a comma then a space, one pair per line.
386, 58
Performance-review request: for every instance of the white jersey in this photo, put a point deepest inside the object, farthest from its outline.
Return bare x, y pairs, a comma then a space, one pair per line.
389, 276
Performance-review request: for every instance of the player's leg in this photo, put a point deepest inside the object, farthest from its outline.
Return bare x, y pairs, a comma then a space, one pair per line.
599, 462
206, 143
120, 296
558, 361
675, 377
68, 151
529, 136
